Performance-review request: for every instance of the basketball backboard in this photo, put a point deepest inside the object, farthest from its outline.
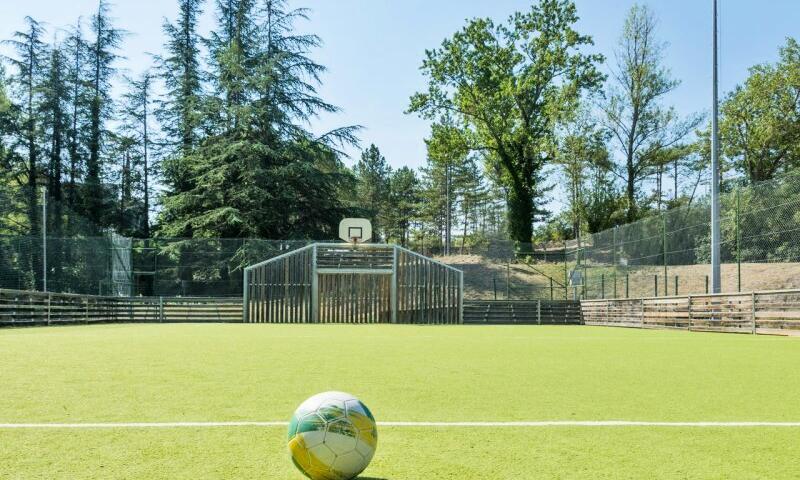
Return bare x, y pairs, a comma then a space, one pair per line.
355, 230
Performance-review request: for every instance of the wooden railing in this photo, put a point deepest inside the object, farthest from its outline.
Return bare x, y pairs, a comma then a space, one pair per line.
18, 308
531, 312
770, 312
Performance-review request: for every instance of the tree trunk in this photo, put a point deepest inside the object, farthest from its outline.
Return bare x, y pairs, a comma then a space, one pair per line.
630, 194
520, 213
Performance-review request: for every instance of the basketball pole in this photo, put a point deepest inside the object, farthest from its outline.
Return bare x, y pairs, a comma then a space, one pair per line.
715, 171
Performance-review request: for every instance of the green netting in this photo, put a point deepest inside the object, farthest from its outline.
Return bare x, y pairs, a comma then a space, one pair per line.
669, 253
80, 257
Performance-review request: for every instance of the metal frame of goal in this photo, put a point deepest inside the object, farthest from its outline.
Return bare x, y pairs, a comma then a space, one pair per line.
348, 283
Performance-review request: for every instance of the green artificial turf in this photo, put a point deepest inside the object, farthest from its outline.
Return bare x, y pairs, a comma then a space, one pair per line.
178, 373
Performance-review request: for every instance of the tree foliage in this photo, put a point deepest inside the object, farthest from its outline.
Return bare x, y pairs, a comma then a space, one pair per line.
760, 126
647, 134
509, 85
263, 92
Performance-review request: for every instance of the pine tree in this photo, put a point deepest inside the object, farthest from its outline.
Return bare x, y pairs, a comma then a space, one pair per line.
469, 190
373, 174
55, 98
7, 112
75, 48
181, 73
137, 110
107, 40
403, 204
259, 172
29, 64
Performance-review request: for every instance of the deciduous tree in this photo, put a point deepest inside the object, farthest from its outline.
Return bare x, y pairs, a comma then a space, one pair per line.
509, 85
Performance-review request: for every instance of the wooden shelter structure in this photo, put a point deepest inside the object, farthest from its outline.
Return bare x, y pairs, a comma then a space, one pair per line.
353, 283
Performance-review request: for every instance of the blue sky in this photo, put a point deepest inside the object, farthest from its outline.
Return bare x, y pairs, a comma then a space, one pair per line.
373, 48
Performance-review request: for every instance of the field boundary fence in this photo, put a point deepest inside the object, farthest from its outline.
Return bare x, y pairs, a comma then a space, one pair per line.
668, 253
25, 308
767, 312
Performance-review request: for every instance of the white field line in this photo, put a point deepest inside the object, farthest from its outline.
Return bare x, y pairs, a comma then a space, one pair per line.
536, 424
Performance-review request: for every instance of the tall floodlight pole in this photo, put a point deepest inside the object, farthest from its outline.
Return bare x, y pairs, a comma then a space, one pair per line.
44, 239
715, 180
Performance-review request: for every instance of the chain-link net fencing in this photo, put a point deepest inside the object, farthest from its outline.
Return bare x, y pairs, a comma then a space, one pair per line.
669, 253
664, 254
46, 246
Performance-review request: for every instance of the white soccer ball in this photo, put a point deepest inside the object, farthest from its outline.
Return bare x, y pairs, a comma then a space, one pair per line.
332, 436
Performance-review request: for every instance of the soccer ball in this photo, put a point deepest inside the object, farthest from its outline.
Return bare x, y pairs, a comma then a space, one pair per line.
332, 436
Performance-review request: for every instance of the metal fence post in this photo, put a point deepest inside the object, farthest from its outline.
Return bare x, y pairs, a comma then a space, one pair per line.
738, 239
603, 286
627, 285
461, 297
393, 292
584, 282
246, 297
161, 309
655, 280
566, 272
753, 312
676, 285
664, 245
314, 287
539, 312
44, 240
690, 311
614, 258
508, 280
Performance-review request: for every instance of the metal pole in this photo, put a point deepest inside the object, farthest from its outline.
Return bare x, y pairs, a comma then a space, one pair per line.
461, 297
627, 285
393, 292
715, 174
566, 271
603, 286
508, 280
44, 239
314, 287
664, 245
246, 297
738, 239
614, 258
447, 206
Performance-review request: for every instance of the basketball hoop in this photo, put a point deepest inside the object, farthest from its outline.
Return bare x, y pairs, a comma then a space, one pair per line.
355, 230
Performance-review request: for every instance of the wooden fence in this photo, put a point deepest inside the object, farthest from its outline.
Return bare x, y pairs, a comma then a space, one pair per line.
771, 312
518, 312
342, 283
18, 308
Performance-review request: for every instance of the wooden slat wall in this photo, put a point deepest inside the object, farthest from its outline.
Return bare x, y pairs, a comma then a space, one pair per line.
18, 308
776, 312
427, 292
280, 291
511, 312
353, 285
200, 310
354, 298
